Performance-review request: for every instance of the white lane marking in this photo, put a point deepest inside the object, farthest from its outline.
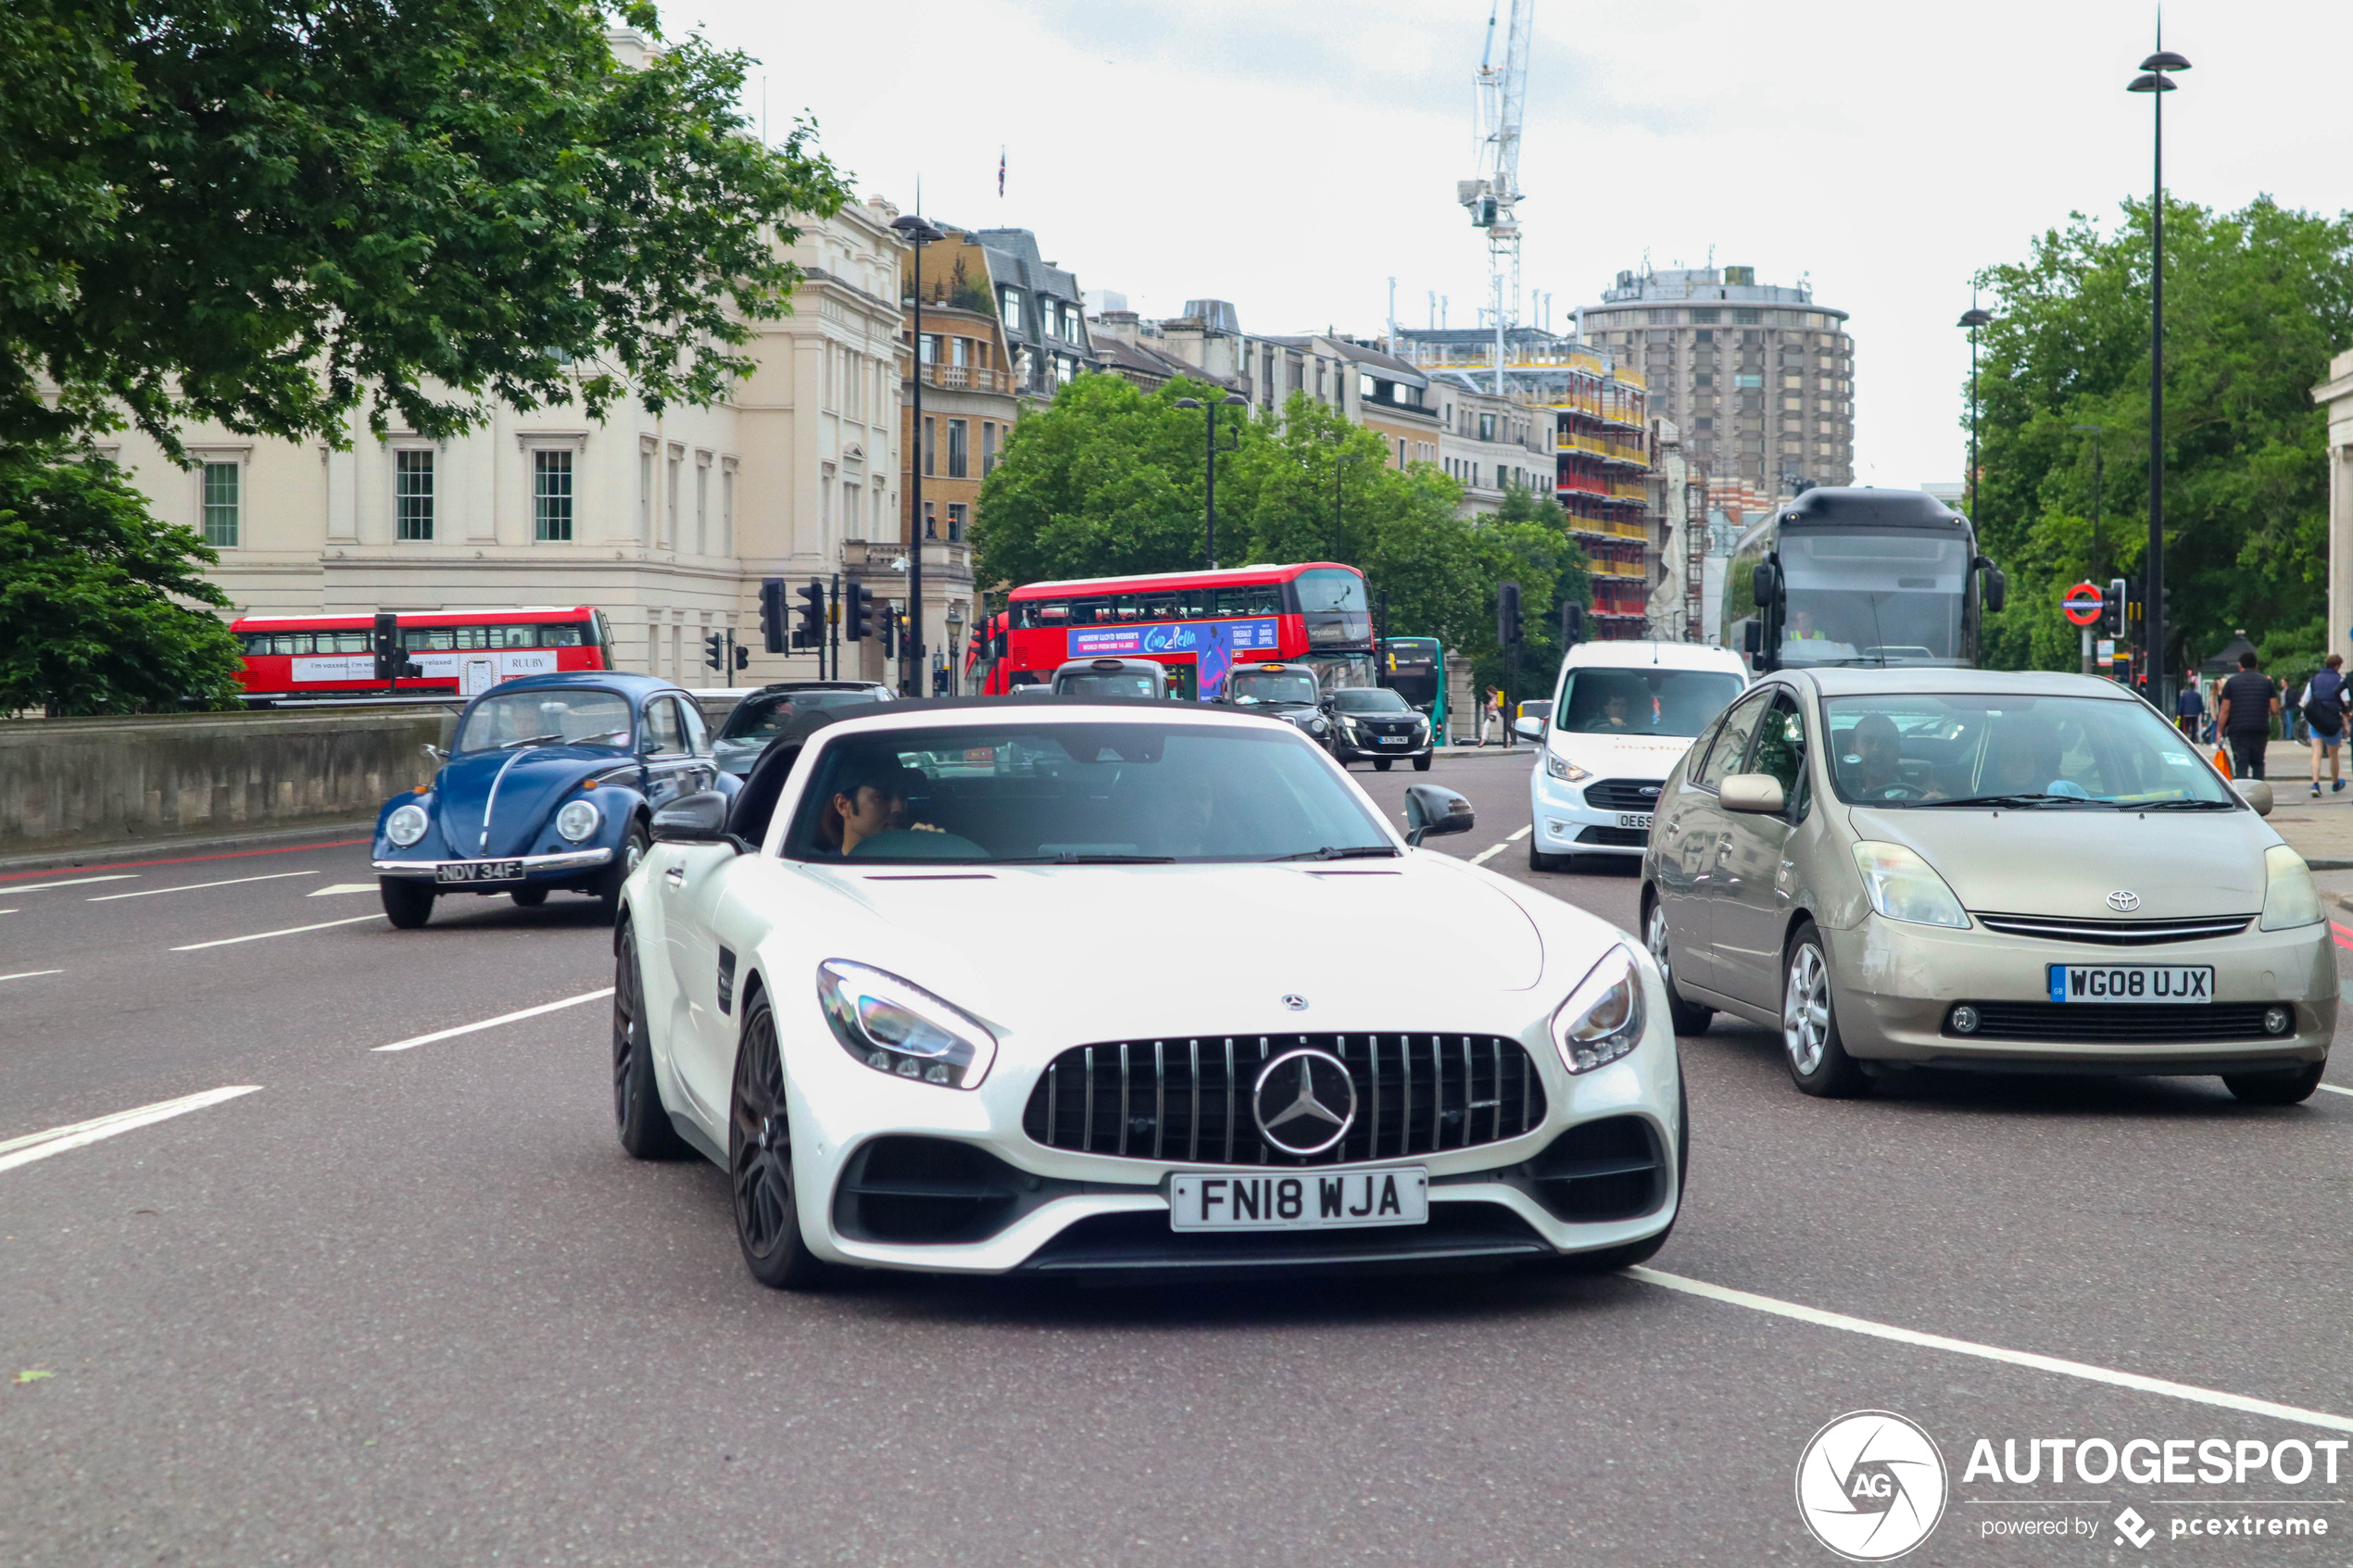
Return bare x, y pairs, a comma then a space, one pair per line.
192, 886
343, 887
494, 1022
1520, 834
1489, 853
56, 1141
260, 935
30, 974
2330, 1088
1990, 1352
70, 882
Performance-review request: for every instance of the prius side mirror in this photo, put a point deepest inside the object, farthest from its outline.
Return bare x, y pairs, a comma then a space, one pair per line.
1432, 808
1758, 795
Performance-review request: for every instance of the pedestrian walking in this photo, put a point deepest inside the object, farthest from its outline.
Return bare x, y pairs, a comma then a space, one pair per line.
2189, 707
1491, 711
2249, 703
2325, 708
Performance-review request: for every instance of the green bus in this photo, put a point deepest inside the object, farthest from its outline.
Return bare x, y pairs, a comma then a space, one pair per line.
1415, 669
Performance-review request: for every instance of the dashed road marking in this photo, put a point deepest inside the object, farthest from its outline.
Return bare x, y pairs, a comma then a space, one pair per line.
69, 881
263, 935
30, 974
2028, 1358
79, 1135
494, 1022
192, 886
2335, 1090
343, 887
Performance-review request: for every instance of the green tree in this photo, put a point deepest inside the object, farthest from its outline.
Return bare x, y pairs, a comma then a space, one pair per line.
91, 585
2255, 301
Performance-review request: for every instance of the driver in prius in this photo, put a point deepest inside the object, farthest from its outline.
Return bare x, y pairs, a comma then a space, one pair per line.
1875, 765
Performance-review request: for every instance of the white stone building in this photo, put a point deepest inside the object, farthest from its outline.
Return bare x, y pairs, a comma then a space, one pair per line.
2336, 395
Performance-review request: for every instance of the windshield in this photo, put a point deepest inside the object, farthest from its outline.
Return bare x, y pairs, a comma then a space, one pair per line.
1017, 790
545, 718
764, 718
1878, 598
1648, 700
1372, 701
1332, 587
2037, 751
1247, 688
1109, 683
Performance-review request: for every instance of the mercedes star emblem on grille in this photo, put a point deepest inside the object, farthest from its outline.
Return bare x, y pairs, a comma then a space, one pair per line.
1304, 1101
2124, 902
1296, 1002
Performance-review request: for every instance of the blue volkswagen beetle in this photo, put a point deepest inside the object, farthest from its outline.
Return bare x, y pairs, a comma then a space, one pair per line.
549, 785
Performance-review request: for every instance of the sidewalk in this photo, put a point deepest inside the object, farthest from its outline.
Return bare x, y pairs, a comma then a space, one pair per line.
2320, 830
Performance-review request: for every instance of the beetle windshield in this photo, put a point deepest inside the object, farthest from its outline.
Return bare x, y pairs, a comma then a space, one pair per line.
545, 718
2014, 751
1077, 793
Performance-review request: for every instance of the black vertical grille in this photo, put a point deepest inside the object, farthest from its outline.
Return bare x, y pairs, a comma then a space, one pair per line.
1187, 1100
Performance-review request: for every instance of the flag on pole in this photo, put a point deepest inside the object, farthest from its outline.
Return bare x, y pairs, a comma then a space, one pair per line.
1000, 173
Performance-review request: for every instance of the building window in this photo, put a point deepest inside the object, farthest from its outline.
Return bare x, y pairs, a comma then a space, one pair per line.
727, 508
1065, 368
220, 503
924, 353
644, 493
1707, 317
931, 519
959, 452
1008, 301
957, 511
1070, 324
551, 494
412, 495
1747, 316
852, 522
930, 442
960, 351
702, 503
987, 447
1487, 426
670, 500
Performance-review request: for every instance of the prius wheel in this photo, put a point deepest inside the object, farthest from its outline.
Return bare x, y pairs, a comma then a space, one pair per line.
1689, 1017
2292, 1087
1817, 1062
408, 903
760, 1172
634, 844
645, 1127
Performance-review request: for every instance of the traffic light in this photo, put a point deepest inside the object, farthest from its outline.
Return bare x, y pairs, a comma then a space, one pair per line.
2112, 613
1508, 620
856, 606
1572, 626
743, 658
393, 663
811, 633
772, 614
715, 651
890, 630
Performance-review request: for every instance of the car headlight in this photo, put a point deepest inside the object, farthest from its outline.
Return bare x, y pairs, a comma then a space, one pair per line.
2289, 898
1563, 768
578, 819
407, 825
1902, 886
1603, 1018
896, 1026
1317, 726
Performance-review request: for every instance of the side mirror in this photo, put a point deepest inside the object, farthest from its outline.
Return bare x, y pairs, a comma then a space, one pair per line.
2256, 793
1995, 585
1767, 581
1752, 636
1758, 795
1430, 809
694, 819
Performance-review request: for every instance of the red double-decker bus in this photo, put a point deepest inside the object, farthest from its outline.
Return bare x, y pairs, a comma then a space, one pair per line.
460, 650
1198, 623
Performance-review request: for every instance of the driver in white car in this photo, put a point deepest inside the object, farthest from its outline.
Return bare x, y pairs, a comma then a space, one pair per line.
871, 800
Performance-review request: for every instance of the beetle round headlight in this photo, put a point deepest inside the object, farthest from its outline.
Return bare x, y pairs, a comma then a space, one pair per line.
578, 819
406, 825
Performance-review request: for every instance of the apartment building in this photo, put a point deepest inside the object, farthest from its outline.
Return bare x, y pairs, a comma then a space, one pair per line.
1043, 313
1489, 442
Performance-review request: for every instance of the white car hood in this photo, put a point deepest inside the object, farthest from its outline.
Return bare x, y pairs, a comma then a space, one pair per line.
1098, 952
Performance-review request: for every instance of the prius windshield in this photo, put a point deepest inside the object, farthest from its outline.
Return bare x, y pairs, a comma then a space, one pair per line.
1039, 793
2017, 753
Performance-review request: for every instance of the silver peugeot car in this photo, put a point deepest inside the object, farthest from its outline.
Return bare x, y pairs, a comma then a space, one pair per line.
1960, 869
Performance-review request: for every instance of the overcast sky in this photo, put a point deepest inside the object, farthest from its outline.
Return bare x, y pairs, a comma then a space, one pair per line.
1293, 157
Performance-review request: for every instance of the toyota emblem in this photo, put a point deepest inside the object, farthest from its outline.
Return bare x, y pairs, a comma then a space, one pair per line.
2124, 902
1296, 1002
1304, 1101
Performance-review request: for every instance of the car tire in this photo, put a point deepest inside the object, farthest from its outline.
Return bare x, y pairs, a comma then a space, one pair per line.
408, 903
638, 1115
1810, 1044
2292, 1087
529, 897
1540, 861
1421, 763
634, 842
1380, 764
760, 1173
1689, 1017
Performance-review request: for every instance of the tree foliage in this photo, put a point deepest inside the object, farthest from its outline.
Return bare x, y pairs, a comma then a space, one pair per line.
2255, 301
91, 589
1111, 481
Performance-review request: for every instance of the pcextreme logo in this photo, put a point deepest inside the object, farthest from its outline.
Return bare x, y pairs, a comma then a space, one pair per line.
1870, 1486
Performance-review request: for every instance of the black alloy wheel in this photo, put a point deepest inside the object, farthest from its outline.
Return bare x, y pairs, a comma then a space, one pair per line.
530, 898
2293, 1086
407, 902
760, 1173
634, 844
637, 1114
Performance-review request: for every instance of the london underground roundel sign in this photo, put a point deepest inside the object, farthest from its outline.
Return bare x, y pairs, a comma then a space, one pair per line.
2083, 603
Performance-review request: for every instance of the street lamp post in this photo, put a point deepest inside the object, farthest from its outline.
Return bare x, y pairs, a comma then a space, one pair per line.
1973, 319
919, 233
2156, 82
1210, 498
955, 648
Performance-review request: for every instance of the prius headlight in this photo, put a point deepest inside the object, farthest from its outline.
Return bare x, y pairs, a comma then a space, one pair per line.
1902, 886
578, 819
1603, 1018
407, 825
896, 1026
1563, 768
2289, 898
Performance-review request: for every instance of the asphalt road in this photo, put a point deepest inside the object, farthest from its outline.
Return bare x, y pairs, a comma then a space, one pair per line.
415, 1306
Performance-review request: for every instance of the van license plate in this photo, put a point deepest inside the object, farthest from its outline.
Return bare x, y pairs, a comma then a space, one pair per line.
2131, 983
1309, 1200
1635, 820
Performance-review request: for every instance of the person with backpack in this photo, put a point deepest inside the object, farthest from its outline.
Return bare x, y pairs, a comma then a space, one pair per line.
2249, 703
2325, 707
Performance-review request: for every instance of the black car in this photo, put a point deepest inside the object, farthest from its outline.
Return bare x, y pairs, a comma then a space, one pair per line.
761, 717
1375, 724
1287, 692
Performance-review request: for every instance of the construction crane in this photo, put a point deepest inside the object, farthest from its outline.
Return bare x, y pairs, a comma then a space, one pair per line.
1492, 199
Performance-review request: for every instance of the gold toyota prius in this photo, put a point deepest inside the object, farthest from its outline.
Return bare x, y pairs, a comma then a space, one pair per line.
1961, 868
